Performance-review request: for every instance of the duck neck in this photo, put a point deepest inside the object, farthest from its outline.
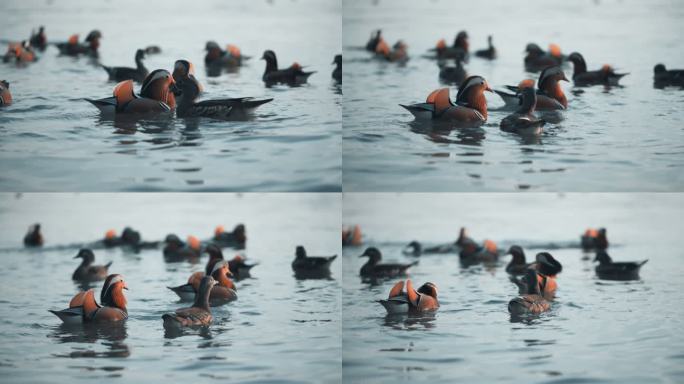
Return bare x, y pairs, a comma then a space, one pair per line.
553, 89
478, 102
224, 280
580, 67
271, 65
139, 64
202, 299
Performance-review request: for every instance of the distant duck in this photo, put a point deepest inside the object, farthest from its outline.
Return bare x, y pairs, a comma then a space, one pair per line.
337, 72
473, 253
536, 59
126, 102
524, 121
311, 265
293, 75
594, 239
530, 302
398, 53
609, 270
411, 301
139, 73
39, 39
73, 48
177, 250
374, 40
415, 248
84, 309
5, 95
374, 269
223, 292
236, 239
197, 315
34, 238
663, 77
470, 108
489, 53
230, 58
20, 53
459, 49
453, 75
518, 265
606, 75
152, 49
351, 236
87, 272
239, 266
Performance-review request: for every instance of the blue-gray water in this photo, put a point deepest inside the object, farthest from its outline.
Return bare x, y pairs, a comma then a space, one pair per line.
597, 331
52, 140
622, 139
280, 330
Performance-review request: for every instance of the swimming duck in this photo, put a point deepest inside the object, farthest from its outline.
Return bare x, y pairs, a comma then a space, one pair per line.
547, 267
398, 53
463, 238
38, 40
663, 77
197, 315
536, 59
489, 53
459, 50
177, 250
470, 107
524, 121
87, 272
139, 73
126, 102
549, 94
414, 248
20, 52
159, 85
235, 108
452, 75
236, 239
411, 301
375, 38
609, 270
294, 75
531, 302
337, 72
216, 57
239, 266
352, 236
606, 75
373, 268
5, 95
83, 308
311, 265
129, 238
594, 239
518, 265
73, 48
223, 292
473, 253
33, 237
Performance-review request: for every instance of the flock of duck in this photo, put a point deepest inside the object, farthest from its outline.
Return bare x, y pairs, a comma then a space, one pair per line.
470, 107
162, 91
215, 286
536, 281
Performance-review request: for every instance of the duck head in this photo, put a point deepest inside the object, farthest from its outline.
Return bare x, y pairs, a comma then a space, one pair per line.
518, 254
240, 232
337, 60
94, 39
158, 85
534, 49
429, 289
461, 41
271, 60
373, 254
214, 252
221, 273
130, 236
112, 291
414, 248
603, 258
528, 102
659, 68
87, 255
173, 242
471, 94
547, 265
550, 77
300, 252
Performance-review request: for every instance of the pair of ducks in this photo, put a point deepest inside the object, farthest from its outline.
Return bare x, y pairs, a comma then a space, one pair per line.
162, 92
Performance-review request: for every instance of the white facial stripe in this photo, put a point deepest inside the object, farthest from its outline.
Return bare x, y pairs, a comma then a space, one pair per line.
218, 266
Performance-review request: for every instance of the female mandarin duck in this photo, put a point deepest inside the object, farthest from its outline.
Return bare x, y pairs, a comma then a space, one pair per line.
197, 315
531, 302
224, 292
83, 308
374, 269
87, 272
524, 121
293, 75
34, 238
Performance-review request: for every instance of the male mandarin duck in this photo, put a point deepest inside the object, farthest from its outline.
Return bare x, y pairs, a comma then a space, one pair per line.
473, 253
547, 267
73, 48
549, 94
126, 102
581, 77
197, 315
231, 57
83, 308
5, 95
293, 75
470, 108
239, 266
530, 302
352, 236
398, 53
159, 85
459, 49
38, 40
87, 272
536, 59
177, 250
223, 292
236, 239
34, 238
594, 239
139, 73
375, 38
411, 301
374, 269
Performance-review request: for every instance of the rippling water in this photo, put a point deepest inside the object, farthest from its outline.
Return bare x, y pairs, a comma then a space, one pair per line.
280, 330
597, 331
51, 139
619, 139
